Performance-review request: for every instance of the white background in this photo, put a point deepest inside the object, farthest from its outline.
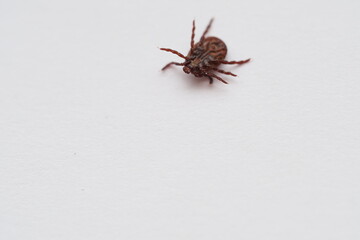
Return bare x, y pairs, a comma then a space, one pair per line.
97, 143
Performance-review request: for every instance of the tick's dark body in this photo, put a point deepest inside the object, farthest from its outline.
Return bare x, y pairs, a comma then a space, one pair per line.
204, 57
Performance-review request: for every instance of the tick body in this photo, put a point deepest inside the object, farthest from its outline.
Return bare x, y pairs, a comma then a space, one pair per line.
204, 57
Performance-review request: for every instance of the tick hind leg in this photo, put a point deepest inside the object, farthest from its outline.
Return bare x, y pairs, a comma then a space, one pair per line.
172, 63
211, 75
235, 62
224, 72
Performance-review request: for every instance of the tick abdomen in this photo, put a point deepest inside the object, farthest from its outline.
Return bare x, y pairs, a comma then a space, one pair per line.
214, 48
210, 51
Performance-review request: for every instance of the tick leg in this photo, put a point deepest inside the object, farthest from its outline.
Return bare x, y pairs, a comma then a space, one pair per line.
211, 79
192, 36
172, 63
206, 30
235, 62
217, 77
173, 51
222, 71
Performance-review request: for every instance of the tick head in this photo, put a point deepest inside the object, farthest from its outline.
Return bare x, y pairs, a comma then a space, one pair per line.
193, 66
187, 69
194, 70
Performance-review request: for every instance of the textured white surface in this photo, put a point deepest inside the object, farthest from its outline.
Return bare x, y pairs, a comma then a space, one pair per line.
97, 143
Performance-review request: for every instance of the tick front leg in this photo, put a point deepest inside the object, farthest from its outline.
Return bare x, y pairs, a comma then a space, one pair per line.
235, 62
173, 51
192, 44
172, 63
206, 30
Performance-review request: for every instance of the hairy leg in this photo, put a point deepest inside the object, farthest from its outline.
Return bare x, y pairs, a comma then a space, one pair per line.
217, 77
224, 72
192, 36
206, 30
235, 62
172, 63
173, 51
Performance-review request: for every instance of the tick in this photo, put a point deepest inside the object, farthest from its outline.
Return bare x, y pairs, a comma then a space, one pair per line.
204, 57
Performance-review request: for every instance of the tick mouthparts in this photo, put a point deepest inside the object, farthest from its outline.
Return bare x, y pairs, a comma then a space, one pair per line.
186, 69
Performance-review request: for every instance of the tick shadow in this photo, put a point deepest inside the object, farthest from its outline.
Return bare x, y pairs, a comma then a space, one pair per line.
198, 83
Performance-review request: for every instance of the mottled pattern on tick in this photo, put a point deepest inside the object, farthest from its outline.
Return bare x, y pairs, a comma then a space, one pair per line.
204, 57
209, 52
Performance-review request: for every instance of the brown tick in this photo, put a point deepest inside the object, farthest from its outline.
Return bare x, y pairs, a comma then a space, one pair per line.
204, 57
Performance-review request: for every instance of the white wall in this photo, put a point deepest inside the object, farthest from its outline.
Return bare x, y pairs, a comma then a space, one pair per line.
97, 143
